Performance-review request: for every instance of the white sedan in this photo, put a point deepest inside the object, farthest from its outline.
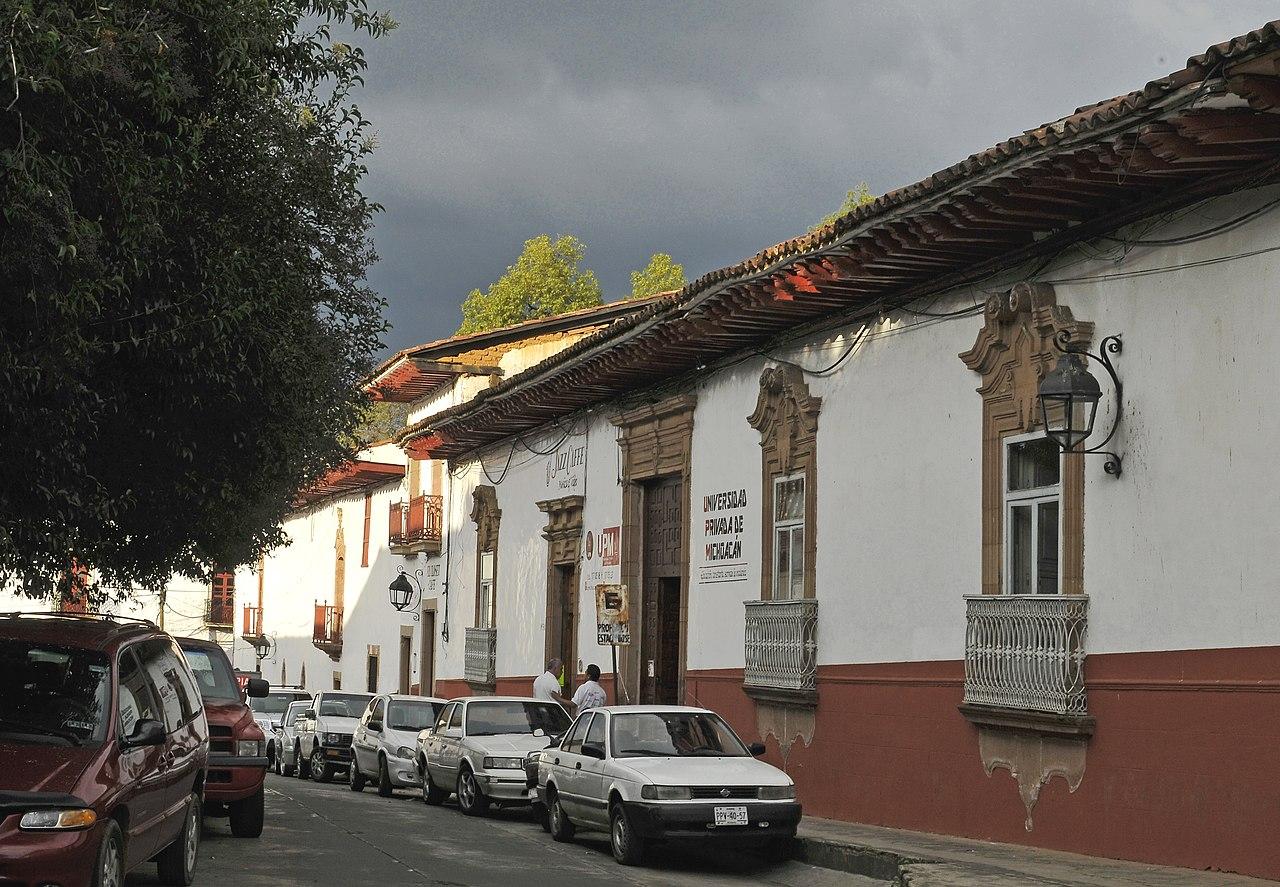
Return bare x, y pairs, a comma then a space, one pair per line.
654, 773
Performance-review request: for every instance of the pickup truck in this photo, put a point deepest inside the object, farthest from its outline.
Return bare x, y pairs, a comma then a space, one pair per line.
322, 743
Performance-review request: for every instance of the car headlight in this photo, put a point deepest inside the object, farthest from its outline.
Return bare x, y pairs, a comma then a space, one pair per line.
666, 792
503, 763
777, 792
58, 819
250, 748
332, 738
405, 752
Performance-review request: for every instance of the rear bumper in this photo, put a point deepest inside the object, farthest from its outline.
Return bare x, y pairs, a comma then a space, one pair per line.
681, 819
233, 778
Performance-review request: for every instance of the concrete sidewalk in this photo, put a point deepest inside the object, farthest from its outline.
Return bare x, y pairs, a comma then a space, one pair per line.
916, 859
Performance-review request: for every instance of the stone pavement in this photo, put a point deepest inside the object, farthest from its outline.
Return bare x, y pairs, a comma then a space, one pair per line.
916, 859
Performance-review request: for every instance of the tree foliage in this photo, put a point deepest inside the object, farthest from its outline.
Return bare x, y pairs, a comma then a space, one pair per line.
382, 421
857, 196
661, 275
546, 279
184, 243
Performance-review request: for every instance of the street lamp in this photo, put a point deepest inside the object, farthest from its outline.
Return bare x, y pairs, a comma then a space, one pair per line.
1069, 397
405, 592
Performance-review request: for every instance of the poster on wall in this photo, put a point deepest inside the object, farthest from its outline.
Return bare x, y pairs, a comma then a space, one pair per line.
613, 615
724, 523
566, 467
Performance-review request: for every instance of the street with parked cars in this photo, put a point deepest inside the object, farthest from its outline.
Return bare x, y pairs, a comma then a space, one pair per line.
129, 745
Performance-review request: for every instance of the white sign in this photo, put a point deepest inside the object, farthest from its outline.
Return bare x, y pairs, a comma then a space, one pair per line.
724, 524
613, 615
566, 470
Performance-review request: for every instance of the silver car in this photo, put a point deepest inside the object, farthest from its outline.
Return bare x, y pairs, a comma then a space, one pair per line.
284, 738
477, 748
384, 745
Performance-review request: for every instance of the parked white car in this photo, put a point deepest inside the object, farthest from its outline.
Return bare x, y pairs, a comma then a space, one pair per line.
323, 739
284, 737
269, 710
477, 747
648, 774
384, 746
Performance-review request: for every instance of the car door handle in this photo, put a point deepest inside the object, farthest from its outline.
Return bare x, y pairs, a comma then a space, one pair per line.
577, 766
557, 760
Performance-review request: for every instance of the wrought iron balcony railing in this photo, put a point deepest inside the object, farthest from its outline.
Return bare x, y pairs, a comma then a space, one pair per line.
327, 631
415, 524
220, 612
1026, 652
781, 645
480, 667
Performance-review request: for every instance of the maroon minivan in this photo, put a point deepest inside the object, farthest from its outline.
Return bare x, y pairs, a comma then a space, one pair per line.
104, 747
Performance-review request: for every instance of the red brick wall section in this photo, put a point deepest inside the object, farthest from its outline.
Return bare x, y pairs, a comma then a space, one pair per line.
1181, 769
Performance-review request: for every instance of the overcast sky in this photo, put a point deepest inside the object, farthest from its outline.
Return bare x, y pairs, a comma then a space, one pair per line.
708, 130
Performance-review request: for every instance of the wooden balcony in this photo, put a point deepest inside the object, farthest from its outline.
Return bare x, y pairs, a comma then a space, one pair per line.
414, 527
220, 613
253, 630
327, 632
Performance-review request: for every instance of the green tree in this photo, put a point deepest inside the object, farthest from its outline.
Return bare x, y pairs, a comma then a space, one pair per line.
382, 420
547, 279
661, 275
184, 242
858, 196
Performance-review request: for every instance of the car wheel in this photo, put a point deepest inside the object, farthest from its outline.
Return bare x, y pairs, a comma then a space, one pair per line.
544, 818
247, 815
304, 766
277, 767
109, 872
432, 794
628, 847
320, 771
385, 788
779, 849
271, 755
471, 800
176, 863
355, 778
558, 821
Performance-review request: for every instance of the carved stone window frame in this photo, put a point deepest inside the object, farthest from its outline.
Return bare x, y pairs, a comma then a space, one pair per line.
563, 533
487, 517
786, 415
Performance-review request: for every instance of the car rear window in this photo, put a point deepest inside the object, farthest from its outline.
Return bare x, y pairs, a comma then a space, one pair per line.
53, 695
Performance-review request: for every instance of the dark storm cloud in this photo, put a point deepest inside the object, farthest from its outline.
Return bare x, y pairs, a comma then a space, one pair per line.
708, 130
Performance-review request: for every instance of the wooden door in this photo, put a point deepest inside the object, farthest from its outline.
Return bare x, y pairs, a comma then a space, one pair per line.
661, 603
427, 661
406, 655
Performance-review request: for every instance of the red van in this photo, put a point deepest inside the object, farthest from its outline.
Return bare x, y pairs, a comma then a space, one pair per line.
237, 745
104, 748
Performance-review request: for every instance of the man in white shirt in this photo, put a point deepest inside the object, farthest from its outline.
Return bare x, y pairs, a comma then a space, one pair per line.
546, 686
590, 694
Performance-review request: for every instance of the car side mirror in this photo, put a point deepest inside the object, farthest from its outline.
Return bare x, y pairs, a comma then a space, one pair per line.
145, 732
756, 749
309, 714
257, 688
277, 725
375, 726
593, 750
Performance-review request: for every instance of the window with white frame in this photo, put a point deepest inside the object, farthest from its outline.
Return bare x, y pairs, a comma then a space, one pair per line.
485, 604
1032, 504
788, 537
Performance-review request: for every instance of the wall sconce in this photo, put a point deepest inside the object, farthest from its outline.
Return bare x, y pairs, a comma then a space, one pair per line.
405, 592
1069, 399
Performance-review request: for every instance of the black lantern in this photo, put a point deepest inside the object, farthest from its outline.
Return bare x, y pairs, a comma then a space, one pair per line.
403, 590
1069, 401
1069, 397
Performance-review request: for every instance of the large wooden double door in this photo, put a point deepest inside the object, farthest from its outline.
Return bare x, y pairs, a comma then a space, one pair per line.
662, 593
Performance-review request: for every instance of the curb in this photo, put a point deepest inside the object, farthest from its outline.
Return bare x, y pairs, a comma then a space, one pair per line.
856, 859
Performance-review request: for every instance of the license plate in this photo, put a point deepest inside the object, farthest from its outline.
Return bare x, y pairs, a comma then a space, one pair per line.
730, 815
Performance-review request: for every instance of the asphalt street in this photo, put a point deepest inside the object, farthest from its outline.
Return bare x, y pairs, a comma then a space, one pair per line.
325, 834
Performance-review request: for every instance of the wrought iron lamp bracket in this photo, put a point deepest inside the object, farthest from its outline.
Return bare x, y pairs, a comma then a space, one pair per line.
1114, 463
415, 601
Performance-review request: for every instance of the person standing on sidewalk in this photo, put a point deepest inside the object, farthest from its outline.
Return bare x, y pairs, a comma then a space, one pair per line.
546, 686
590, 694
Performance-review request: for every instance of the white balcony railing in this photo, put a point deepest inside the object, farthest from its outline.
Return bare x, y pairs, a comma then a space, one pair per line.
1026, 652
782, 645
481, 656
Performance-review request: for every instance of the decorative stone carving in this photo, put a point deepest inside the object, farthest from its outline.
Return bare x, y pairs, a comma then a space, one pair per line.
563, 531
1032, 760
486, 515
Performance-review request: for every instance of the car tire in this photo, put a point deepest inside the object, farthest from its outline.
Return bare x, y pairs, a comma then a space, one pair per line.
276, 765
780, 849
432, 794
109, 869
544, 818
304, 766
385, 788
176, 863
471, 800
628, 847
355, 778
247, 815
320, 771
558, 822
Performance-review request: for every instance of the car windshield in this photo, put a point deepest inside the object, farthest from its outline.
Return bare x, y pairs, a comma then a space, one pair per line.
343, 705
213, 674
674, 735
403, 715
272, 704
53, 695
503, 718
